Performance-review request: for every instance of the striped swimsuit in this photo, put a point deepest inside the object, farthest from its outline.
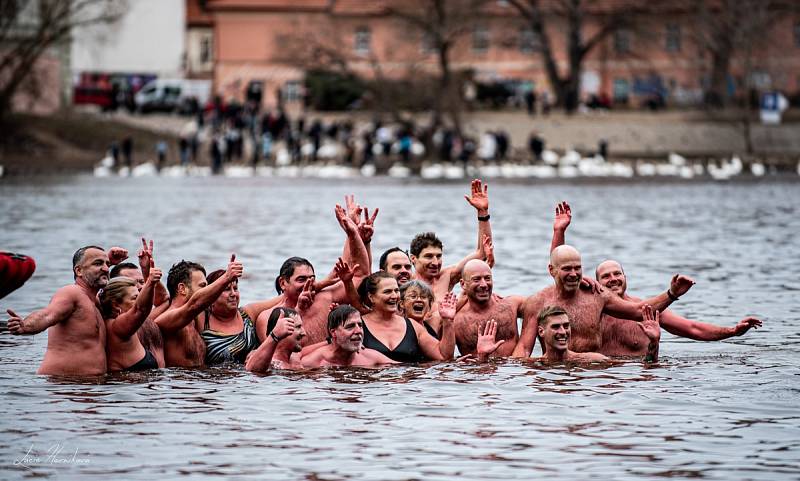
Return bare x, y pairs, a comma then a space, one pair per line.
230, 347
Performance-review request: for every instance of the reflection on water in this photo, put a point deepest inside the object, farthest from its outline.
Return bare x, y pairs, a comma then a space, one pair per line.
725, 410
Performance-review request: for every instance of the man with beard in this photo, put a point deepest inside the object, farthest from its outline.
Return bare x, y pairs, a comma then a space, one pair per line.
190, 295
554, 333
481, 305
284, 335
621, 337
585, 309
347, 334
76, 337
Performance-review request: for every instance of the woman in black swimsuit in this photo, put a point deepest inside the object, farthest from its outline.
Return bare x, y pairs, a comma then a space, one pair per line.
392, 335
125, 309
416, 298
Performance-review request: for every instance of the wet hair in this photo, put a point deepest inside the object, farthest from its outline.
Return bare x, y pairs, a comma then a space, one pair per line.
115, 271
287, 270
385, 257
417, 284
181, 273
276, 314
369, 285
337, 316
548, 312
113, 292
78, 256
421, 241
213, 276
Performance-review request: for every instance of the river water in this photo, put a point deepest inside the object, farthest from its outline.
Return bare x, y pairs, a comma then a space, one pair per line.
718, 411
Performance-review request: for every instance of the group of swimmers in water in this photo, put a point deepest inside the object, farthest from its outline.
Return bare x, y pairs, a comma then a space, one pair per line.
119, 316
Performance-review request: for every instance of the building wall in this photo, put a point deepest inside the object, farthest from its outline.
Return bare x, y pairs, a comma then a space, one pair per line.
148, 39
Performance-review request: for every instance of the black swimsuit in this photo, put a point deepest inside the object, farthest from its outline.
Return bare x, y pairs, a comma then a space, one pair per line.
407, 351
431, 330
147, 362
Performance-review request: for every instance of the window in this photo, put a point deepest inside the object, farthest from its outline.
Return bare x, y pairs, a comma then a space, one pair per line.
622, 88
673, 38
362, 40
622, 41
291, 91
480, 39
528, 40
205, 50
797, 34
428, 44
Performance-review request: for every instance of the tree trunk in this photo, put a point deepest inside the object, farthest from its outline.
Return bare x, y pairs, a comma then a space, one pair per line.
716, 95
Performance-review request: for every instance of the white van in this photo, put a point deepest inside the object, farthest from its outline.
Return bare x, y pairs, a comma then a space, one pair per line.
173, 95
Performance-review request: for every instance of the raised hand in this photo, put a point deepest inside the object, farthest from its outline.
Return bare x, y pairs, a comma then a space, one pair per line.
154, 273
745, 324
447, 306
284, 327
117, 255
680, 285
235, 268
650, 323
344, 271
344, 220
15, 323
145, 256
486, 340
563, 216
333, 306
479, 196
366, 227
488, 250
306, 297
352, 208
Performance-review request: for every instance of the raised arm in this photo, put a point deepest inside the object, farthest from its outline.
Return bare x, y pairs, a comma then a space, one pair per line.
260, 359
560, 224
254, 309
127, 323
176, 319
145, 255
366, 229
479, 199
456, 270
624, 309
443, 349
702, 331
530, 326
486, 340
652, 329
345, 272
61, 307
357, 252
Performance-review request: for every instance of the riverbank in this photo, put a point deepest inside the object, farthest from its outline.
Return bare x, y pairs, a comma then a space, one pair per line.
76, 141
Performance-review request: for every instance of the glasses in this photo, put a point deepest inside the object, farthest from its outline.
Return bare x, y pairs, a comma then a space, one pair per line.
414, 296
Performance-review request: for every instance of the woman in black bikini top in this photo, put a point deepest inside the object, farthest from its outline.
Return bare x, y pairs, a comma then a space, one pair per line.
392, 335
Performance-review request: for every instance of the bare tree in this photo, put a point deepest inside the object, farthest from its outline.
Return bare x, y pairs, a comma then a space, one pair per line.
544, 18
29, 28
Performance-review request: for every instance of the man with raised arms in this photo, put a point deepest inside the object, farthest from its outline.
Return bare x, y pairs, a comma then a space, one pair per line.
190, 295
295, 284
585, 308
76, 336
476, 284
621, 337
346, 332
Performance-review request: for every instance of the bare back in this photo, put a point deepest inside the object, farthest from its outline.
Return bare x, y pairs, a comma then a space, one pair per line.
77, 345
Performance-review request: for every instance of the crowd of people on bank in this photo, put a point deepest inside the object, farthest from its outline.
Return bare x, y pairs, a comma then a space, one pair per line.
120, 316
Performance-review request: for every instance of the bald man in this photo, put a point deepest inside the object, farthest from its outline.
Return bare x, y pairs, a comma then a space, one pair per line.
481, 306
621, 337
585, 309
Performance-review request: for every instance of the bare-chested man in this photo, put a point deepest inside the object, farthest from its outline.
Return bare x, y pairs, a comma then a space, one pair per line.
346, 331
190, 295
149, 334
482, 305
555, 331
295, 284
585, 308
621, 337
76, 336
426, 250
